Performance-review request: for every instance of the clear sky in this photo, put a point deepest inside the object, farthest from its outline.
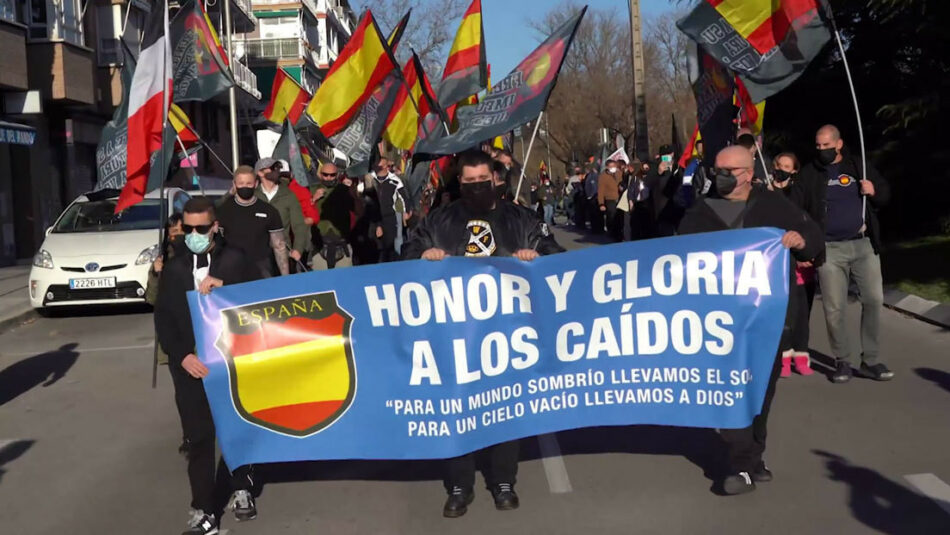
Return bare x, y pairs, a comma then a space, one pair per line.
508, 38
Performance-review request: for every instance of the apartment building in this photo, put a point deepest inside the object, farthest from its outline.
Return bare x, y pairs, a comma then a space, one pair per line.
59, 84
302, 37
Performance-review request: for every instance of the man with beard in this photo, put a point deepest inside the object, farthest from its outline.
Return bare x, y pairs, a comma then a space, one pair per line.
480, 225
336, 202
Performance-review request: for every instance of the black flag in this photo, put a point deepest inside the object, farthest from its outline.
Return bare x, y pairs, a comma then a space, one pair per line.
515, 100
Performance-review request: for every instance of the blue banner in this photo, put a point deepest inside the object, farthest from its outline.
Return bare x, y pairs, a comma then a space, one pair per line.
417, 360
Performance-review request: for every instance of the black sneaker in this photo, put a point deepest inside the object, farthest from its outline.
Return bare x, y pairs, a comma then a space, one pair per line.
201, 524
740, 483
842, 373
242, 503
458, 501
878, 372
505, 497
761, 473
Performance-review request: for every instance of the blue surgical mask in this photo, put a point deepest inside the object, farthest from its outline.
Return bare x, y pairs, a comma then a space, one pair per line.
198, 243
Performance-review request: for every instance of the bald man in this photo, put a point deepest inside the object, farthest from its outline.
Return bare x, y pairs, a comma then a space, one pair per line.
745, 205
844, 202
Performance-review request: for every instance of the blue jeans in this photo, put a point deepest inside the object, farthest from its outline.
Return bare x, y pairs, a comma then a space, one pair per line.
846, 260
549, 214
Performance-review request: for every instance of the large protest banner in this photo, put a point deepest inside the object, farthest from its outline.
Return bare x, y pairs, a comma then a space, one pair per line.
434, 359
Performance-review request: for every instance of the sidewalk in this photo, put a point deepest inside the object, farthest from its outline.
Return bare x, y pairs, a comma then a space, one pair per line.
14, 295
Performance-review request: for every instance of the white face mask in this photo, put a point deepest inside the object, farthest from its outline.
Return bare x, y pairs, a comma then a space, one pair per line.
611, 169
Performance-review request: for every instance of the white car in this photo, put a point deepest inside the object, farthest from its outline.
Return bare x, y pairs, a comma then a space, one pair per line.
93, 256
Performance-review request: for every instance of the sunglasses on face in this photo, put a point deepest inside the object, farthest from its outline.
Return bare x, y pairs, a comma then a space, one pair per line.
202, 229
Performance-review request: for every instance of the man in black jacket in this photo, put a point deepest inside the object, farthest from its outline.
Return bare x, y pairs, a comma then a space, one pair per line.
665, 180
205, 263
744, 206
480, 225
844, 203
393, 210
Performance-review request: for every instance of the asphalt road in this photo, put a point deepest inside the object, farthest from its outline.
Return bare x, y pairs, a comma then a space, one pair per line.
87, 447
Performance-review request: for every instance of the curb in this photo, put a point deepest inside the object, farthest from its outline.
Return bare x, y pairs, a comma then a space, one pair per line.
17, 318
929, 311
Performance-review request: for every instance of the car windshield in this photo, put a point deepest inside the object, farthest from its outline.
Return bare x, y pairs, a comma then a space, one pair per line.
100, 216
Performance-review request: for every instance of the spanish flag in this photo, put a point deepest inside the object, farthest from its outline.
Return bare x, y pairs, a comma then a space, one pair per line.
466, 71
396, 35
178, 120
751, 115
690, 152
287, 99
214, 35
768, 43
291, 376
402, 124
362, 65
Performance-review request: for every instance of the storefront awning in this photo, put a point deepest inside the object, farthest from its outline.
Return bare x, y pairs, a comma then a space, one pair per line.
16, 134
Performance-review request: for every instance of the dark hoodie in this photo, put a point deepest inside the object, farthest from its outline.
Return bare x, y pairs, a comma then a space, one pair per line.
813, 181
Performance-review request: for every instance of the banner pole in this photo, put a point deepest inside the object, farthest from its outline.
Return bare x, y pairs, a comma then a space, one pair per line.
524, 164
181, 145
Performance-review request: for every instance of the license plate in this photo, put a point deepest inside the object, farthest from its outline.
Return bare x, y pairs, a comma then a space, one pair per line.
85, 284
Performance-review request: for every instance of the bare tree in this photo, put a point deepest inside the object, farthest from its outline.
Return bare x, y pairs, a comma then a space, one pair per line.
668, 90
430, 31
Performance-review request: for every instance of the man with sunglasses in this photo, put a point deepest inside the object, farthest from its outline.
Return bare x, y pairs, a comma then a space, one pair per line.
744, 205
203, 264
335, 200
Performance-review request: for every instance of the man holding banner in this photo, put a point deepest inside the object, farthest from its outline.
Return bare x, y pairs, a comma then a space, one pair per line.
742, 206
480, 225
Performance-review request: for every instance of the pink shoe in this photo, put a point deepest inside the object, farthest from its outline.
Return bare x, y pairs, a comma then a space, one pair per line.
787, 364
803, 363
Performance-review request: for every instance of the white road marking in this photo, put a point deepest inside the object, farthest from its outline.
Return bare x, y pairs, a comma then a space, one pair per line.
79, 349
553, 463
932, 487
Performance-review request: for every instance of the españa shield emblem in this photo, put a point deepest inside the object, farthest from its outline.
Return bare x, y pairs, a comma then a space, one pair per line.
290, 362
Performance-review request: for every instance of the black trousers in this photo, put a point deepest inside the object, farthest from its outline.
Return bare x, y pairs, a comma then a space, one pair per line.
745, 446
502, 466
612, 223
596, 216
641, 221
798, 311
387, 246
198, 430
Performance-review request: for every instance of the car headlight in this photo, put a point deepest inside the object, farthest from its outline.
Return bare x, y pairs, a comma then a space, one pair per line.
148, 255
43, 259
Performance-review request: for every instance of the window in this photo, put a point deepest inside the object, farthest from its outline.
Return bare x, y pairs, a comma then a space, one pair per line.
8, 10
107, 49
58, 20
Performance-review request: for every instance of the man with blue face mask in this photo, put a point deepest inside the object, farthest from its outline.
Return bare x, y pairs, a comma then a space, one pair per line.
203, 264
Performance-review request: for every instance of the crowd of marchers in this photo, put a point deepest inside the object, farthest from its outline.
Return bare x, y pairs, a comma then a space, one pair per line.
269, 225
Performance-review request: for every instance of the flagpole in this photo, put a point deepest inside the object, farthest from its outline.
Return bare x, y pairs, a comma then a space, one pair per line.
524, 164
232, 92
163, 211
184, 151
857, 113
547, 140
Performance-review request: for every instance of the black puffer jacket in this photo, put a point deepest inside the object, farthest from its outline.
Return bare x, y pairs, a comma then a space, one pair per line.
457, 230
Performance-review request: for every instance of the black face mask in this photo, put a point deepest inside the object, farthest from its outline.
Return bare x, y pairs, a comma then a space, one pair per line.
329, 183
827, 156
501, 191
245, 194
781, 176
478, 196
725, 181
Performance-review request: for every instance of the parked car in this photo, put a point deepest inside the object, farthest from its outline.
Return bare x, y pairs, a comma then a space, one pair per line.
91, 255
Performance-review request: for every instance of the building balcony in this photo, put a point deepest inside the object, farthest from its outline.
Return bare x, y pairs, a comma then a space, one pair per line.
343, 18
245, 78
243, 19
62, 71
311, 5
13, 62
262, 51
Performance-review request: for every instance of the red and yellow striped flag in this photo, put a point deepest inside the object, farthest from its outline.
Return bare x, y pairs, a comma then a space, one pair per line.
466, 70
181, 123
402, 125
751, 115
287, 99
214, 35
356, 73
